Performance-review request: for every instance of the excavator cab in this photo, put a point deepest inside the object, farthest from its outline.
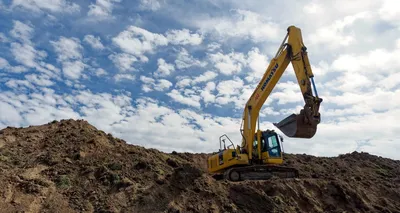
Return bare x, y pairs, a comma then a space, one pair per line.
270, 147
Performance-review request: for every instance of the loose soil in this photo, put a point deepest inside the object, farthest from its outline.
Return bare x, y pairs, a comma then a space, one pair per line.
70, 166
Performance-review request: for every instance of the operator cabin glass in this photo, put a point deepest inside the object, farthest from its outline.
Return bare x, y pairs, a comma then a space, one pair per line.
273, 146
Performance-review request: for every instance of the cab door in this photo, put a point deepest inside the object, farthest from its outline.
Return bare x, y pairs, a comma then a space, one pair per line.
271, 149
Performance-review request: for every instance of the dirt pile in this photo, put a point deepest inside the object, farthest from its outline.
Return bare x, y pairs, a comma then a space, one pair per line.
70, 166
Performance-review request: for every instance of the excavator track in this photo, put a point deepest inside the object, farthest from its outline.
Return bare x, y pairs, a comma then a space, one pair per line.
260, 172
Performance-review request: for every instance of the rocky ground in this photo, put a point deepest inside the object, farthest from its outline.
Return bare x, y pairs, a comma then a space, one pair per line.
70, 166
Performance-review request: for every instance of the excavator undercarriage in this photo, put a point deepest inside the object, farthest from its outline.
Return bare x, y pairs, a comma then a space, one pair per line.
260, 172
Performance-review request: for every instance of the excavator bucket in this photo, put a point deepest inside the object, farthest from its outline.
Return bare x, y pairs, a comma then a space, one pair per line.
294, 126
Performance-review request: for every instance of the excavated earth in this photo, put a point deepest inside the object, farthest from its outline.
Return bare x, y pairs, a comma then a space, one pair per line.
70, 166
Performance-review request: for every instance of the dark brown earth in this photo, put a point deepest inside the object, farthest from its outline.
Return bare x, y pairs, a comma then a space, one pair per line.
70, 166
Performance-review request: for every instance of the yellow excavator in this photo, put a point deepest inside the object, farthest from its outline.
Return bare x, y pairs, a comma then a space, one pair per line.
260, 154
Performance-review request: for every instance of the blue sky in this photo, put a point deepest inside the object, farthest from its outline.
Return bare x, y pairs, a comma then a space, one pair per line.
175, 75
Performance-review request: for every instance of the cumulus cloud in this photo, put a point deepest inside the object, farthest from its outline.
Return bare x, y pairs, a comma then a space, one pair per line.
55, 6
20, 85
313, 8
4, 65
390, 10
213, 46
287, 92
242, 24
101, 10
184, 60
187, 97
207, 93
40, 80
120, 77
138, 41
164, 68
227, 89
150, 84
26, 54
22, 32
100, 72
93, 41
151, 5
3, 38
123, 61
227, 64
69, 51
183, 37
258, 64
333, 35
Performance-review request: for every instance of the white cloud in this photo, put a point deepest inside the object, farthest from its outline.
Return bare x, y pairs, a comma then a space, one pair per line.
368, 63
164, 68
213, 46
4, 65
40, 80
390, 10
227, 64
187, 98
258, 64
227, 90
26, 54
183, 81
207, 76
313, 8
267, 111
22, 32
243, 24
334, 35
162, 85
57, 6
9, 114
206, 93
138, 41
101, 10
73, 69
184, 37
69, 51
100, 72
19, 85
152, 5
286, 92
68, 48
3, 38
398, 43
186, 81
150, 84
184, 60
120, 77
38, 107
94, 42
123, 61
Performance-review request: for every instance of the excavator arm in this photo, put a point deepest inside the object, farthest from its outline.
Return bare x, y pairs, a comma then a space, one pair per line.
302, 125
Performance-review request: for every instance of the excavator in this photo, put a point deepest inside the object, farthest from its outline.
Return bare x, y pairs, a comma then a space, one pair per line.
260, 155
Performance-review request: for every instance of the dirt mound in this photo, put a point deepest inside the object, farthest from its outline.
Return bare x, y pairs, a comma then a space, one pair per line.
70, 166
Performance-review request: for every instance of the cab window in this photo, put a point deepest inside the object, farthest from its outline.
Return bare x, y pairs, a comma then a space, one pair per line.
272, 146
